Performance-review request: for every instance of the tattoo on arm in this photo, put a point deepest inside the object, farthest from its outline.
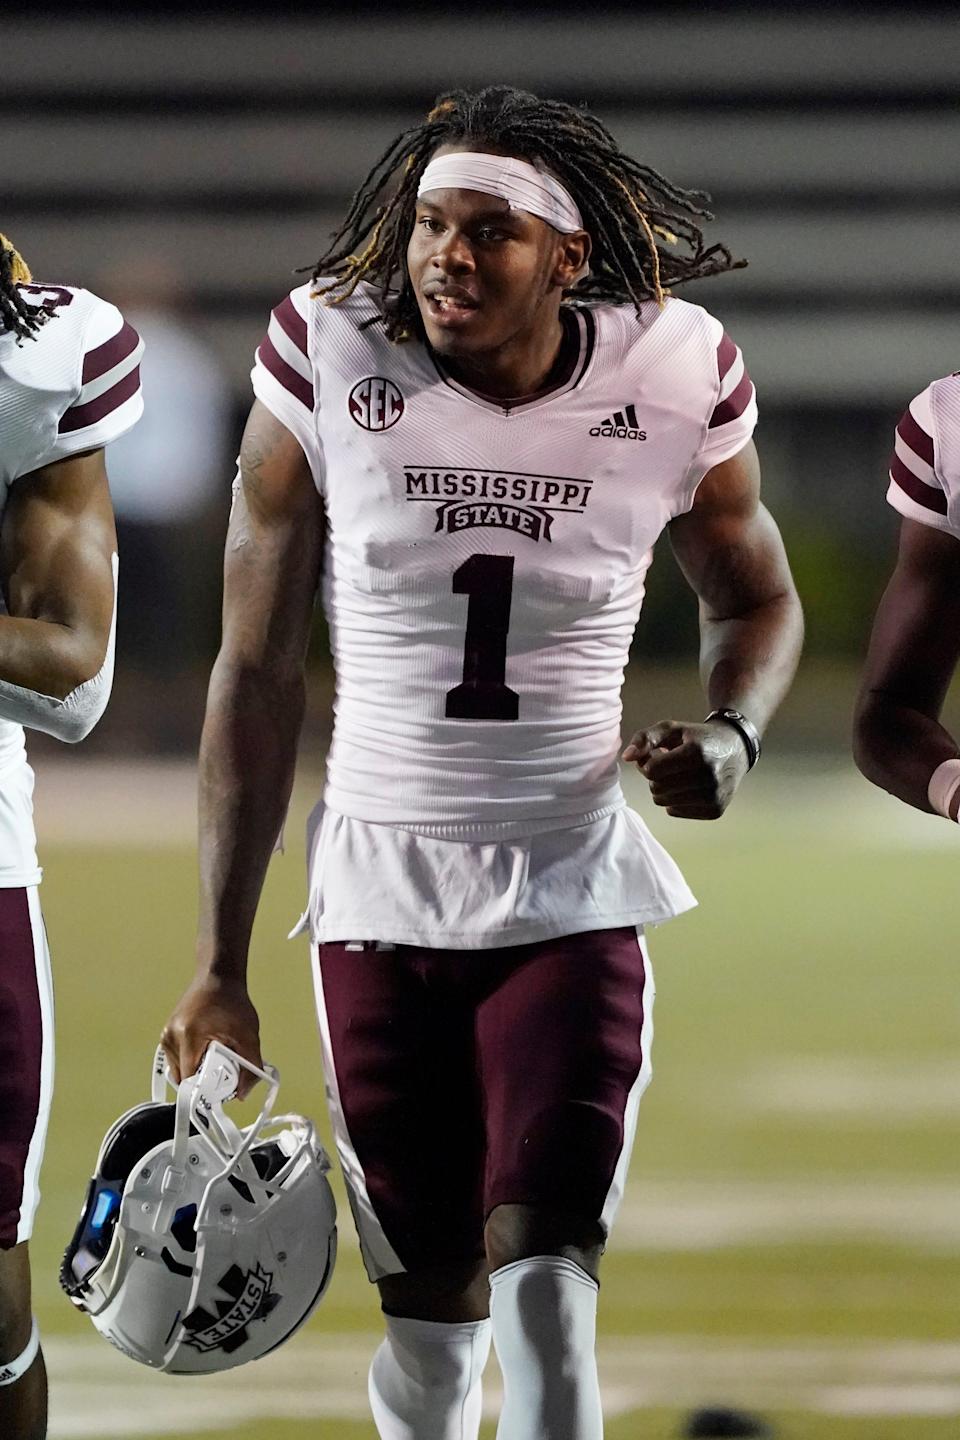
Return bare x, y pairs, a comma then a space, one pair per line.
239, 533
254, 453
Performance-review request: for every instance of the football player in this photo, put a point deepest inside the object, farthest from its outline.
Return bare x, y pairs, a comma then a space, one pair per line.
474, 423
69, 383
899, 742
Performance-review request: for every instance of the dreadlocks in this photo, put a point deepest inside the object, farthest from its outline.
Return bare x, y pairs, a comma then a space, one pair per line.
631, 212
15, 314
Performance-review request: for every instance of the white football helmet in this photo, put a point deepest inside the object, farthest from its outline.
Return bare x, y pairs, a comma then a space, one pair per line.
202, 1245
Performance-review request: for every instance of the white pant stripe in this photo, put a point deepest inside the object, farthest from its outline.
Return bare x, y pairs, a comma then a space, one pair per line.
31, 1178
379, 1256
617, 1185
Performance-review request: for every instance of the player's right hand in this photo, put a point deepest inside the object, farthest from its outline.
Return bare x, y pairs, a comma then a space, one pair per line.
213, 1009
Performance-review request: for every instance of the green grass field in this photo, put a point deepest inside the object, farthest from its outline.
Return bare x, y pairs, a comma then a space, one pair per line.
791, 1234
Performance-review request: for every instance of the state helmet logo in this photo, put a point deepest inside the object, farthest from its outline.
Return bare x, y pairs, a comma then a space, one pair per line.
375, 403
251, 1297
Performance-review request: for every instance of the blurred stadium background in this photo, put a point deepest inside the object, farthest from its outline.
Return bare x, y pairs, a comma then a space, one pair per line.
791, 1235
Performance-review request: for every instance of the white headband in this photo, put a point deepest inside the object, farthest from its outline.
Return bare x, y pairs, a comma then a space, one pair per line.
522, 185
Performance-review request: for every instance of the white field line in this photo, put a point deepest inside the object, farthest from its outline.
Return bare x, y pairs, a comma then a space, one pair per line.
874, 1092
714, 1215
98, 1393
120, 802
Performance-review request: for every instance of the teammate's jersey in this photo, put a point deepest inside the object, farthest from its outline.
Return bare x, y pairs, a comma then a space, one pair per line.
485, 569
925, 466
74, 386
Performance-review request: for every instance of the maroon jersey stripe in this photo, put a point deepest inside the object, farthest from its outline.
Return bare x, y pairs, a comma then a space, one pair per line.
926, 495
292, 324
590, 328
916, 437
287, 376
97, 362
79, 416
734, 405
726, 354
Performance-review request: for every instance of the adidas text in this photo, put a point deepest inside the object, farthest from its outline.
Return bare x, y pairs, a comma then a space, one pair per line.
618, 432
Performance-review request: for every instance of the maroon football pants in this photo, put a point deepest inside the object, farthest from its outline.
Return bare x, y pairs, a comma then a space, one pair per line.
460, 1080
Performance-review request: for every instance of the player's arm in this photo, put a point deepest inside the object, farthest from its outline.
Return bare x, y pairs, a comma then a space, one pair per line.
56, 558
751, 629
253, 717
914, 648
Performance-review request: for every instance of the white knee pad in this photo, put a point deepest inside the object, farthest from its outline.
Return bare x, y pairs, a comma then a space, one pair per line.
544, 1314
425, 1380
14, 1369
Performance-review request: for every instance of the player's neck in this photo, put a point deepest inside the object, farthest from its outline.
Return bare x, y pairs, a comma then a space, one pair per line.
521, 370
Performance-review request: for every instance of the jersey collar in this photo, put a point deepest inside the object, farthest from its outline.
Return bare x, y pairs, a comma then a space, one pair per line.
576, 352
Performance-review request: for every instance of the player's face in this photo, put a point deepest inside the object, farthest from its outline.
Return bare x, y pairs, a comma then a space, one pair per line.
485, 276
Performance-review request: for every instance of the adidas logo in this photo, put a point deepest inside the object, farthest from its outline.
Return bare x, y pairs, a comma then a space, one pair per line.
622, 425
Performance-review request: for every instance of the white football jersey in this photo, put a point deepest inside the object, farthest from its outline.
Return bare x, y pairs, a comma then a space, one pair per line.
74, 386
485, 570
925, 466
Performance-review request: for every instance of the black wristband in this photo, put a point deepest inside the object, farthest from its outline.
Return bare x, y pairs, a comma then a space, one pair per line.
748, 732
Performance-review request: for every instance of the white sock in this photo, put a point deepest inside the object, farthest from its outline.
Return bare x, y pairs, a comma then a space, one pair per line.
544, 1314
424, 1380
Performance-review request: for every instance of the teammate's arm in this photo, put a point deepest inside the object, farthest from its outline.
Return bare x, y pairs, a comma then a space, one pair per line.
56, 559
914, 649
254, 713
751, 629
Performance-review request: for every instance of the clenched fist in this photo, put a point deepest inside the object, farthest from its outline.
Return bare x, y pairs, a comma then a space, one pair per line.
694, 769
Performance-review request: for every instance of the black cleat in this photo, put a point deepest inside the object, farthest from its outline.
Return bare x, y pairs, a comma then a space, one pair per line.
717, 1422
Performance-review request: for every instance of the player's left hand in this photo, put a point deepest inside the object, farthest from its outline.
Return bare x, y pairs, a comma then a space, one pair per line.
694, 769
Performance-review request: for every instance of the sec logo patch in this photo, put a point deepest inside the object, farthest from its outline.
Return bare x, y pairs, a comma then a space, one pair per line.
375, 403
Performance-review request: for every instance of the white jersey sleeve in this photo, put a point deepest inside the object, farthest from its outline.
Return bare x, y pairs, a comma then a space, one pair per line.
283, 376
108, 401
925, 464
73, 385
733, 418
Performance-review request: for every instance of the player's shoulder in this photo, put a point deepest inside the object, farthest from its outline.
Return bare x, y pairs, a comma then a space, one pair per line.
57, 317
315, 323
925, 463
319, 337
74, 323
73, 304
675, 326
946, 384
944, 404
71, 384
316, 304
682, 349
945, 392
932, 416
95, 353
297, 303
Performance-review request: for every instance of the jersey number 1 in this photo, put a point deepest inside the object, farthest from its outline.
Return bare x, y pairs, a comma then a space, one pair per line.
488, 580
